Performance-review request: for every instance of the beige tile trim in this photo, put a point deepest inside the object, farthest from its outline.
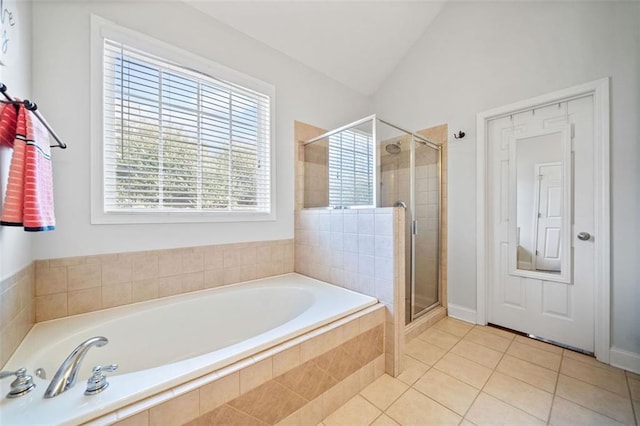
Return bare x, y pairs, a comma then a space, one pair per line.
276, 399
76, 285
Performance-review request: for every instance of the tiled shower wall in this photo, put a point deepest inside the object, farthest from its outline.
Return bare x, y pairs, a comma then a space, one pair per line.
76, 285
316, 178
17, 313
361, 250
304, 132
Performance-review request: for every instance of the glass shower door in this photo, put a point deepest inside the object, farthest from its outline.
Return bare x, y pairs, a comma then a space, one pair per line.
426, 220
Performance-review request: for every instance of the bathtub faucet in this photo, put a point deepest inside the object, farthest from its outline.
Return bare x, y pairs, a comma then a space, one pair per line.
65, 377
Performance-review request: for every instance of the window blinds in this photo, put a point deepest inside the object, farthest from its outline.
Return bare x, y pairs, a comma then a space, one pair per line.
350, 169
179, 140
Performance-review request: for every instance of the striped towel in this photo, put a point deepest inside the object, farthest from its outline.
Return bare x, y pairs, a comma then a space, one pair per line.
29, 198
8, 119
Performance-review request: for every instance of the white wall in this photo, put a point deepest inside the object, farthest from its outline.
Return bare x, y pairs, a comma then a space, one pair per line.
15, 243
61, 88
477, 56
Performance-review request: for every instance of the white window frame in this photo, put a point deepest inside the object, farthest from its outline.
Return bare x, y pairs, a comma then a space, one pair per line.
101, 29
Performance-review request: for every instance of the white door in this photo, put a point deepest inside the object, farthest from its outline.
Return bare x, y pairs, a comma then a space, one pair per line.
542, 301
548, 218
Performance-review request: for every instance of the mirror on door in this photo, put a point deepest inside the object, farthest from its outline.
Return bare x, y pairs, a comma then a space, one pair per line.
540, 198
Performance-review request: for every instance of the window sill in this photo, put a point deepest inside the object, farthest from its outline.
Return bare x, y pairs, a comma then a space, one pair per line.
102, 218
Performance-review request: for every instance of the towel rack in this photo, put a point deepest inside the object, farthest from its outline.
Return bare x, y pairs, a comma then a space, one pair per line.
31, 106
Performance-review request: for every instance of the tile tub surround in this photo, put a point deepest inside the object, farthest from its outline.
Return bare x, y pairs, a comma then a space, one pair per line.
17, 313
76, 285
298, 382
361, 250
462, 374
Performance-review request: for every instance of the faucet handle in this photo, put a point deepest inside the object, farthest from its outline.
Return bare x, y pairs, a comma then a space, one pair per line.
22, 385
98, 381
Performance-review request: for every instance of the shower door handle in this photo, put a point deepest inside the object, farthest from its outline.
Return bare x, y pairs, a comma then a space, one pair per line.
414, 227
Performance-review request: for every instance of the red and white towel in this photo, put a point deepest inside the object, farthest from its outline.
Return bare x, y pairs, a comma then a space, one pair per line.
8, 121
29, 198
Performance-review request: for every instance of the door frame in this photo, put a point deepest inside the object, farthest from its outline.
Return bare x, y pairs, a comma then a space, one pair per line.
599, 89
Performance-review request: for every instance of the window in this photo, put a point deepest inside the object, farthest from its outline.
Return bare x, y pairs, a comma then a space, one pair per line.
351, 169
179, 144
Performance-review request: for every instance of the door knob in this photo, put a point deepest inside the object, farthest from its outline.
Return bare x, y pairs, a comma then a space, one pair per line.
584, 236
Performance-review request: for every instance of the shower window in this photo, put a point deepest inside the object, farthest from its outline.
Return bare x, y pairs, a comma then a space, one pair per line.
351, 163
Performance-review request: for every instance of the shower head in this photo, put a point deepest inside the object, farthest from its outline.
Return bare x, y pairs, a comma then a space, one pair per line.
393, 148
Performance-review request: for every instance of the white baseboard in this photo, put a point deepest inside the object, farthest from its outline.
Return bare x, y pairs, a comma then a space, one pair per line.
624, 359
462, 313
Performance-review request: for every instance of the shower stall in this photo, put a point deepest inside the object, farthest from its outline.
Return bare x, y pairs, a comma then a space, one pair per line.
373, 163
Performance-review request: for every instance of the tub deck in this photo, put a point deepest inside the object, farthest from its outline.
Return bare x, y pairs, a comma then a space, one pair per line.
164, 343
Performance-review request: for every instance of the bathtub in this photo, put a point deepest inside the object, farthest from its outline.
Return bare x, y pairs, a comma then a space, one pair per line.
162, 343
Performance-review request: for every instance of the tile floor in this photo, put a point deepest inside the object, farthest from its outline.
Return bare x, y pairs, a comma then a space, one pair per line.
460, 374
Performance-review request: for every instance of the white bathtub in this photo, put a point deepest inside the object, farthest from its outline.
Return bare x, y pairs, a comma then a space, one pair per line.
162, 343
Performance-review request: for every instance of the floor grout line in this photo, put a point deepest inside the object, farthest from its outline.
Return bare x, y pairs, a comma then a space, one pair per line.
636, 415
487, 381
555, 388
494, 370
438, 402
527, 383
597, 386
392, 402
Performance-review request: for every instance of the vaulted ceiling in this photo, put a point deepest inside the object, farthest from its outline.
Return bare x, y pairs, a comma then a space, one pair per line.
354, 42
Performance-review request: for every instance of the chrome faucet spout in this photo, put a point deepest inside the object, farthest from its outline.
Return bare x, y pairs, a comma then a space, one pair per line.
65, 377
